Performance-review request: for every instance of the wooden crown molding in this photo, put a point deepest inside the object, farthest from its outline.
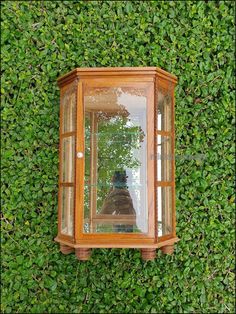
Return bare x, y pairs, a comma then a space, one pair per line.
115, 71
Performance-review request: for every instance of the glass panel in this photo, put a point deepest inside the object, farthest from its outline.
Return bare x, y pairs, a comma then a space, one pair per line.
164, 205
164, 113
67, 219
68, 159
164, 158
69, 110
115, 160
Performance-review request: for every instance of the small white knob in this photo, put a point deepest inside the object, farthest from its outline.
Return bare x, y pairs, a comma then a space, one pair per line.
80, 155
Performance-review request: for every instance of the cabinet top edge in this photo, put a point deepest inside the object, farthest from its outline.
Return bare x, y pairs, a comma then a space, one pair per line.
115, 71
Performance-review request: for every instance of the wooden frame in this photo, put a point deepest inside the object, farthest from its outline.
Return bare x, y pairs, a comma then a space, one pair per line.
152, 79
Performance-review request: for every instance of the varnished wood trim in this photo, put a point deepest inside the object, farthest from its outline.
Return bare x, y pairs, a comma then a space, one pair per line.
117, 82
168, 78
67, 78
115, 76
164, 133
112, 242
168, 241
116, 71
69, 184
79, 193
106, 71
63, 238
165, 237
173, 165
165, 74
163, 184
115, 236
119, 244
68, 134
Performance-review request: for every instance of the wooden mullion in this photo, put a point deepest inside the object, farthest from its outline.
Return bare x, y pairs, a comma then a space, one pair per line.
164, 183
80, 165
164, 133
68, 134
173, 162
66, 184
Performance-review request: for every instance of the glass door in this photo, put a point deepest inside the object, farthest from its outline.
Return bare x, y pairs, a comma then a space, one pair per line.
118, 149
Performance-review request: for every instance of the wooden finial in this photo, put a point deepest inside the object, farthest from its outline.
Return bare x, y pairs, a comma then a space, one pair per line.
148, 254
65, 249
83, 254
167, 249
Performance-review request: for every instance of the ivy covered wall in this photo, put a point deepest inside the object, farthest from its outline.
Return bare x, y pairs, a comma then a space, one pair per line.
44, 39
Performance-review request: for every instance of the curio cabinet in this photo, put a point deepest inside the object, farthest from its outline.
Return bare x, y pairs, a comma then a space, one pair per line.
117, 169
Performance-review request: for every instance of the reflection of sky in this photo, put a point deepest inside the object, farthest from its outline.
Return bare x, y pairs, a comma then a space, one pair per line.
159, 214
137, 178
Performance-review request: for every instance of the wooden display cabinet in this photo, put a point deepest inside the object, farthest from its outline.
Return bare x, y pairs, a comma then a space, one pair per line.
116, 178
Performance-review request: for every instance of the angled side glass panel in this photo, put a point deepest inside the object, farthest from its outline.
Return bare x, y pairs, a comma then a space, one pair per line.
67, 166
164, 109
69, 109
115, 160
68, 159
67, 212
164, 158
164, 206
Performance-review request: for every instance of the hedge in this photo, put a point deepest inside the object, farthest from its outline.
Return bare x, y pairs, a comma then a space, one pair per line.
193, 40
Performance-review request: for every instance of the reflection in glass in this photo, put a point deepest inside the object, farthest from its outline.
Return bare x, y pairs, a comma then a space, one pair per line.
69, 110
68, 159
164, 158
115, 160
67, 219
164, 118
164, 205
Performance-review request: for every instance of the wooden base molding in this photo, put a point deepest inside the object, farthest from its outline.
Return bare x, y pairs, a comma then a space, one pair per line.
167, 249
101, 243
148, 254
65, 249
83, 254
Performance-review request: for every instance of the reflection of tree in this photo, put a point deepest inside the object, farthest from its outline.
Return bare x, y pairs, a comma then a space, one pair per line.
118, 140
